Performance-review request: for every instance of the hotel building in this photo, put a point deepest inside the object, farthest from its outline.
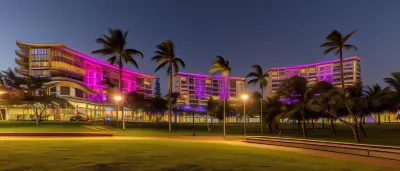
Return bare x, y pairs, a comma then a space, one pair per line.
195, 88
79, 79
328, 71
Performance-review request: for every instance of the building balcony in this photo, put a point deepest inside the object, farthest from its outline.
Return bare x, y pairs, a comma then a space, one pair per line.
22, 63
57, 65
21, 71
22, 55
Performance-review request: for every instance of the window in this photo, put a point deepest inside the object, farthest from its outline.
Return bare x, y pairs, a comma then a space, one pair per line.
303, 70
64, 90
191, 80
79, 93
274, 73
41, 73
232, 83
321, 68
208, 81
53, 90
311, 69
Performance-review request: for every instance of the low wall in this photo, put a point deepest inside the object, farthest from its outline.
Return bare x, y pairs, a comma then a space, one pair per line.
57, 134
387, 152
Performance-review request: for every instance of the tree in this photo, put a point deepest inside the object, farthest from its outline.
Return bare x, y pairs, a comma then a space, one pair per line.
157, 93
114, 45
293, 92
258, 77
318, 89
274, 107
31, 91
221, 65
339, 103
393, 94
376, 99
212, 110
165, 57
336, 43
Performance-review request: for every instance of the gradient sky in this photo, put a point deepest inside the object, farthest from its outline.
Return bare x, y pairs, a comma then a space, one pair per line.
270, 33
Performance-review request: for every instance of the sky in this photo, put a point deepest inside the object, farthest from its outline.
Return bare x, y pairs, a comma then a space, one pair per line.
271, 33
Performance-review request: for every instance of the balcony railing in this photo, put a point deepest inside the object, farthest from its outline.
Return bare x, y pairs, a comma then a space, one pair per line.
63, 65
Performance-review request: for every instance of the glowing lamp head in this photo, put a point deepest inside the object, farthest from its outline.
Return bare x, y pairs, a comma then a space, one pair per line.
3, 90
245, 97
117, 98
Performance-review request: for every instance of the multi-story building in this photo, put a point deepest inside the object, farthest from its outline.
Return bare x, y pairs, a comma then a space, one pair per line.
79, 79
328, 71
195, 88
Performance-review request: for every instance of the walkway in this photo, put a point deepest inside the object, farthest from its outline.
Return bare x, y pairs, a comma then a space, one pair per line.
233, 141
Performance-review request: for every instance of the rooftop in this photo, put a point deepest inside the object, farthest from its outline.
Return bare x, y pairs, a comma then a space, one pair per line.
209, 76
318, 63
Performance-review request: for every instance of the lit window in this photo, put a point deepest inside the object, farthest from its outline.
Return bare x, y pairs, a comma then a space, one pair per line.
274, 73
311, 69
303, 70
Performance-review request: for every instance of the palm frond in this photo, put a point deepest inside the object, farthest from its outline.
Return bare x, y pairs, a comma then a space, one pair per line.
112, 60
349, 47
345, 38
160, 66
180, 61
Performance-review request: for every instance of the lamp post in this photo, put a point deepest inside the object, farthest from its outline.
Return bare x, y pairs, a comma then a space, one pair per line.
244, 97
118, 99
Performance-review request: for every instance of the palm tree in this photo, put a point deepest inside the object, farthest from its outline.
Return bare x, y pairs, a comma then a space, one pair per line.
274, 108
376, 101
260, 77
296, 95
220, 65
115, 46
165, 57
335, 43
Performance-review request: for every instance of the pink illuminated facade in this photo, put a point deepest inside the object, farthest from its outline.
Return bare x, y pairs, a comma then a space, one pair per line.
79, 77
194, 89
323, 71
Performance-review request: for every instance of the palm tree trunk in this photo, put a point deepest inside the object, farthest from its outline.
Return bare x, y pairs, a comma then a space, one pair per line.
362, 129
379, 118
323, 123
122, 94
313, 125
169, 101
261, 111
270, 126
341, 67
225, 107
304, 125
355, 132
333, 126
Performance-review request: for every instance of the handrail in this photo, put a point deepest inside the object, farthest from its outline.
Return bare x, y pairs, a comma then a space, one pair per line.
388, 152
67, 66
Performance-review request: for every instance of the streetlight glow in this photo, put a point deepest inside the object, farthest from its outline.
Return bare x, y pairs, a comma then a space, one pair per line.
245, 96
117, 98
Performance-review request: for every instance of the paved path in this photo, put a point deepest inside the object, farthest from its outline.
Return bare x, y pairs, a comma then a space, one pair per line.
235, 141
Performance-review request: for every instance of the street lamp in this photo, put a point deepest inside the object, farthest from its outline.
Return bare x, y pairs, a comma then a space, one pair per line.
244, 97
118, 99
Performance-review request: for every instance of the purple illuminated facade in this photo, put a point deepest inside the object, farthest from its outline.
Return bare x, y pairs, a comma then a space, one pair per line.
195, 88
328, 71
79, 77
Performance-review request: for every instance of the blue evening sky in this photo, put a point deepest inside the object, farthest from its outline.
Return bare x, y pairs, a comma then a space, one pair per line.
270, 33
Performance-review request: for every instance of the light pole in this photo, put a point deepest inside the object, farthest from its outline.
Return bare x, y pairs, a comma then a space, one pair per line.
244, 97
118, 99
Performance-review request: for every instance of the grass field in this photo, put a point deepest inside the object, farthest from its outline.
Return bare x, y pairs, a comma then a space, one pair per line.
166, 155
383, 134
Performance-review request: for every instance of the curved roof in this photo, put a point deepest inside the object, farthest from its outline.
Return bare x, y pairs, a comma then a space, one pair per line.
29, 44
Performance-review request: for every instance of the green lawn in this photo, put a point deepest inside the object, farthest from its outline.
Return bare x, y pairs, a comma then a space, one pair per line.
168, 155
45, 126
383, 134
